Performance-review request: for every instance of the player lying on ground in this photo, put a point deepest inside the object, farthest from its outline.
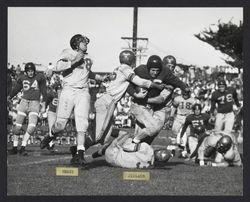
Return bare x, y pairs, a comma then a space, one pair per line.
144, 157
221, 149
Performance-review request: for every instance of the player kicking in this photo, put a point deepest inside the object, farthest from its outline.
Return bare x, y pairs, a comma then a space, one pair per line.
33, 85
75, 66
222, 150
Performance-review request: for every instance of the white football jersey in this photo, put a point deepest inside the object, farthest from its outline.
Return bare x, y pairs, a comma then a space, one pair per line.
78, 78
143, 158
119, 81
184, 106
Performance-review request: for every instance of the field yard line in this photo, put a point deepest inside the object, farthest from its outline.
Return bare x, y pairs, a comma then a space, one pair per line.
42, 161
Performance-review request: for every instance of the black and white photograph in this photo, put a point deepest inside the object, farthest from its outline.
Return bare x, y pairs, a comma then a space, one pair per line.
125, 101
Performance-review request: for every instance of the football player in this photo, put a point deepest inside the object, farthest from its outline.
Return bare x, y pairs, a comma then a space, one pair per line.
75, 65
225, 97
119, 82
33, 86
144, 157
150, 112
198, 123
182, 107
222, 150
52, 102
106, 103
169, 61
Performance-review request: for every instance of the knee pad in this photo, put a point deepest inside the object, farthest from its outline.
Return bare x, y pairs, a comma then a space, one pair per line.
31, 128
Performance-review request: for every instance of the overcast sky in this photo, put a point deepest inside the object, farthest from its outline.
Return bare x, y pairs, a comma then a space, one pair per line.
40, 34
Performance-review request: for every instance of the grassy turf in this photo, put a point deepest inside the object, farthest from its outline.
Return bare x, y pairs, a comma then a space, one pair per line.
35, 175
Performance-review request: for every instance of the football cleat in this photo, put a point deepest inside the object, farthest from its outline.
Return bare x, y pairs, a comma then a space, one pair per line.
22, 151
78, 158
45, 142
13, 151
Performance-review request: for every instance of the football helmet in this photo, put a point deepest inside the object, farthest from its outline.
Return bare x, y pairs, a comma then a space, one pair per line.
186, 93
224, 144
169, 61
77, 39
196, 106
127, 57
154, 61
222, 82
30, 66
162, 155
222, 85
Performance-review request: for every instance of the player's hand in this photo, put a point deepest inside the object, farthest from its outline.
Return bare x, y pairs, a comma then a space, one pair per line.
141, 94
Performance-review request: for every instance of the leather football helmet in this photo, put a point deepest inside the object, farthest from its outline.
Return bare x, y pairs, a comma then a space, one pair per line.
30, 66
169, 61
224, 144
154, 61
162, 155
76, 39
127, 57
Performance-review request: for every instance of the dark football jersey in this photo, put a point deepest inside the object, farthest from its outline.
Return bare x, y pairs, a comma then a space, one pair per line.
165, 76
52, 101
32, 88
225, 100
198, 124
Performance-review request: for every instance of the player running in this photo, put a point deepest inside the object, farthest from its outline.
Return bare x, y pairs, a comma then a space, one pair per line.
182, 107
198, 123
75, 66
150, 112
33, 86
225, 97
52, 102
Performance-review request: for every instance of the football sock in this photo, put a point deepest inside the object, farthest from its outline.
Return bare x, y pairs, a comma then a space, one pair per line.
25, 139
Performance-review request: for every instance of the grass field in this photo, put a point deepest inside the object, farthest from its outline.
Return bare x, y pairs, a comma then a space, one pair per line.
35, 174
